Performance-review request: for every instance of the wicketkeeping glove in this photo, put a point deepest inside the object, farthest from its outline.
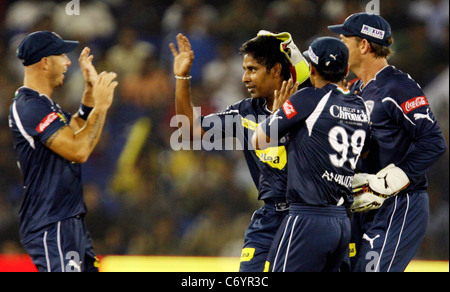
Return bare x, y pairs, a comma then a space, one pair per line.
299, 66
370, 191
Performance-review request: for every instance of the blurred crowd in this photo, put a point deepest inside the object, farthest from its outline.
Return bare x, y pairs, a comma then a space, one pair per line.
145, 198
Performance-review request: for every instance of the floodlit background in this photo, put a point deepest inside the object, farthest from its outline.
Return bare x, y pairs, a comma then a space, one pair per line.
143, 197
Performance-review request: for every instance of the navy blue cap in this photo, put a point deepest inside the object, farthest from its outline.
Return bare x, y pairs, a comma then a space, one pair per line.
40, 44
371, 27
328, 54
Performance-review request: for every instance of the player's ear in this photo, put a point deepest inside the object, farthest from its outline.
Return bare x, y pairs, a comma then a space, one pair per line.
44, 63
312, 70
364, 46
276, 69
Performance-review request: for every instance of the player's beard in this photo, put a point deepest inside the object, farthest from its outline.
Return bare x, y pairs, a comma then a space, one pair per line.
58, 78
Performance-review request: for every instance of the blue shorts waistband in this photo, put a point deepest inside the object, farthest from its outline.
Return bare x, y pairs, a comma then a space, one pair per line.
277, 205
330, 210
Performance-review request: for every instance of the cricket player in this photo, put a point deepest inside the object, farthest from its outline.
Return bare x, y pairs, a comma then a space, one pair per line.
268, 60
327, 127
391, 215
51, 145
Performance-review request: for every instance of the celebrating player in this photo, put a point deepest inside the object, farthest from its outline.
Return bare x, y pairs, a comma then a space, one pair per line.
50, 145
268, 60
327, 127
406, 142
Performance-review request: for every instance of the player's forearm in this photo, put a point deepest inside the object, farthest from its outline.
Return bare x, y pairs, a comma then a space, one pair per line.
88, 99
87, 137
184, 106
260, 140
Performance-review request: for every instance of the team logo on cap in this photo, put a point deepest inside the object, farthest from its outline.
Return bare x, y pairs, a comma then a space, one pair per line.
313, 56
373, 32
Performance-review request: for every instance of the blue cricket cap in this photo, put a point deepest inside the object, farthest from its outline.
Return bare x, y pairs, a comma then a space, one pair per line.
328, 54
40, 44
371, 27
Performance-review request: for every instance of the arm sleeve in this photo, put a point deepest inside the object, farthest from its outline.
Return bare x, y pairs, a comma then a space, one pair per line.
39, 120
294, 111
223, 122
413, 113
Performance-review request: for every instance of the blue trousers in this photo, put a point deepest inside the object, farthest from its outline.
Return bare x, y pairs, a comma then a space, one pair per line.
259, 237
65, 246
311, 239
386, 239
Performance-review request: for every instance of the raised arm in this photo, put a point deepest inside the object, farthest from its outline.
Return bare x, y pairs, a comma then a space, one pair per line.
90, 76
76, 145
183, 59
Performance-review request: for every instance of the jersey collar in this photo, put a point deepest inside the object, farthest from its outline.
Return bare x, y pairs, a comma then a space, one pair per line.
362, 86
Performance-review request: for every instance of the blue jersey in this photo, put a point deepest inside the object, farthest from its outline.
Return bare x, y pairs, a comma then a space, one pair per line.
267, 167
327, 129
404, 130
52, 189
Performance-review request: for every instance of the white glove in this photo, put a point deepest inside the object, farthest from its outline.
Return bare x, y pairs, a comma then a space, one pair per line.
364, 198
370, 191
389, 181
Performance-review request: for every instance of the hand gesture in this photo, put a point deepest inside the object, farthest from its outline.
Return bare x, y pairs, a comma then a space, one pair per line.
103, 90
183, 58
87, 68
286, 91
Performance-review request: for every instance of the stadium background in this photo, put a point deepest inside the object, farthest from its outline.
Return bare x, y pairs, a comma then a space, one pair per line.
145, 199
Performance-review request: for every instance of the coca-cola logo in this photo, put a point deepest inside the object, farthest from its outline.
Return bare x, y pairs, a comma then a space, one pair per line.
289, 109
46, 122
414, 103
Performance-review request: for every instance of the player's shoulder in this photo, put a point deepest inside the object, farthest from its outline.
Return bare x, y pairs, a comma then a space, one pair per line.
309, 92
26, 95
30, 101
396, 84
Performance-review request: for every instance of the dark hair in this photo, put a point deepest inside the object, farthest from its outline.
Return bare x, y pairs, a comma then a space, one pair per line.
332, 76
379, 50
266, 50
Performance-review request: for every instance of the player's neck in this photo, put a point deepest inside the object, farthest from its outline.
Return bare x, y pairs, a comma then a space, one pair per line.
370, 68
269, 103
40, 85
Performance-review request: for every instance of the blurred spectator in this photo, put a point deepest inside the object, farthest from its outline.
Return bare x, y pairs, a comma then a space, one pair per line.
195, 20
22, 16
222, 77
435, 14
239, 20
94, 22
129, 55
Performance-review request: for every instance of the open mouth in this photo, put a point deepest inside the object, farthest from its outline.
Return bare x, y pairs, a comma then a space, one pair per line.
250, 89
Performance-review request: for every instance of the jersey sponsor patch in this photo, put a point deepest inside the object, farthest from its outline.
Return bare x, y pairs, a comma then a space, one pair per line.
247, 254
50, 118
276, 157
249, 124
414, 103
289, 110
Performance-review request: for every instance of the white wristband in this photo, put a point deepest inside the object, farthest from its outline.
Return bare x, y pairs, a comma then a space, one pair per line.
183, 78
